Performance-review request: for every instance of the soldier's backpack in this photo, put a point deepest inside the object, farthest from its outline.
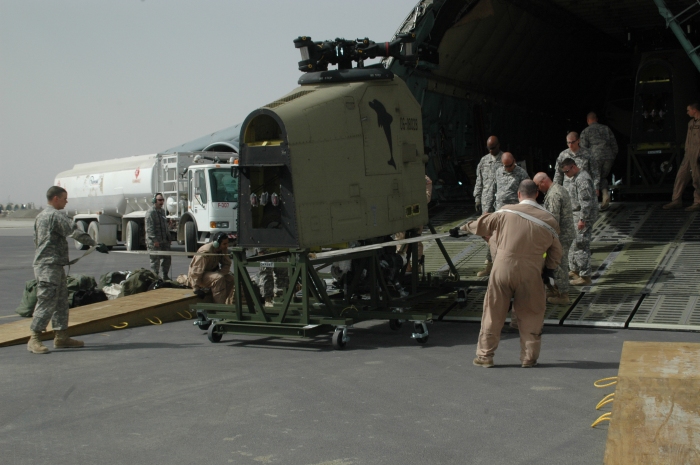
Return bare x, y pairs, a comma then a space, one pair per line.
113, 277
88, 297
79, 282
26, 306
138, 282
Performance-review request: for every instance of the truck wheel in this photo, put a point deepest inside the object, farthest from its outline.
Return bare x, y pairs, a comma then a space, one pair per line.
83, 226
190, 237
94, 231
132, 235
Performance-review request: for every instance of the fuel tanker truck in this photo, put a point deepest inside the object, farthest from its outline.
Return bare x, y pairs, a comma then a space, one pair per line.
109, 198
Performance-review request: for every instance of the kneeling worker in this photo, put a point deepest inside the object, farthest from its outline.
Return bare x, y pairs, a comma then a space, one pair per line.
526, 231
213, 269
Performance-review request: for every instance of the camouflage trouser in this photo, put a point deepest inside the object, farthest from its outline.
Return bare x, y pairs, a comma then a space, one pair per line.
580, 251
561, 275
51, 298
272, 281
605, 167
160, 261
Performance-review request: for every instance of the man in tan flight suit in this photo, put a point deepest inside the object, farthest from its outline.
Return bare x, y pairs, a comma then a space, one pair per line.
690, 168
213, 271
526, 231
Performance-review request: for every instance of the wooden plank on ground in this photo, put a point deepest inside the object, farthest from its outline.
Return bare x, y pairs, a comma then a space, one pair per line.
162, 305
656, 413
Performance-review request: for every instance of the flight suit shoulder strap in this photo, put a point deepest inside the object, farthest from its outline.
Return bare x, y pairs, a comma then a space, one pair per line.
537, 221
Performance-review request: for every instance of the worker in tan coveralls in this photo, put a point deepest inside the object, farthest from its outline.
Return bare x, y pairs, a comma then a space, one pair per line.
690, 168
526, 231
213, 271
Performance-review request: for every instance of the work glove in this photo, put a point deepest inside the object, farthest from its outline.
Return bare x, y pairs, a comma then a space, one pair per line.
101, 248
478, 207
200, 293
548, 277
454, 232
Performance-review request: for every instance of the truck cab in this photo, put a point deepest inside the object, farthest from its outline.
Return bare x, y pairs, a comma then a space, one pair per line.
212, 204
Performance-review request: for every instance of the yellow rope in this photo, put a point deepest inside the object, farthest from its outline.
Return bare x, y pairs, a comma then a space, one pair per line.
352, 307
186, 316
120, 326
606, 400
154, 322
602, 418
596, 384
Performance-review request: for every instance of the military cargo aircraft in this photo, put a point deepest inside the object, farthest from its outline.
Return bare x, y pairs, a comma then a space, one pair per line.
530, 71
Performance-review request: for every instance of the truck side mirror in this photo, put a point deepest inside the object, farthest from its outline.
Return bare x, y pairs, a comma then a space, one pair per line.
196, 182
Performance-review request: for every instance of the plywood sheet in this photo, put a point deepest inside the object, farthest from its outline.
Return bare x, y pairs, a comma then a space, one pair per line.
656, 412
163, 304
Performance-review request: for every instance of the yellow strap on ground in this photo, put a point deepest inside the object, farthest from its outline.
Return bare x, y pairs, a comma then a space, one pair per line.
602, 418
120, 326
352, 307
598, 385
154, 322
606, 400
186, 316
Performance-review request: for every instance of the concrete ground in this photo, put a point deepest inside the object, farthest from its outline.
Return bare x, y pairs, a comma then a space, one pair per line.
165, 394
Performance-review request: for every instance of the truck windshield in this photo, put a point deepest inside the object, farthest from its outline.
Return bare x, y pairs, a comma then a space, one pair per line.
224, 187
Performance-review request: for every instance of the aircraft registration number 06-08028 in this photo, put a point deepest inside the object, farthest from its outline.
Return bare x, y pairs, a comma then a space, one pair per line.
408, 124
222, 205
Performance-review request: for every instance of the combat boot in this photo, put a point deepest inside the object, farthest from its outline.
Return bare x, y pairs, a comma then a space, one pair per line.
62, 341
605, 204
486, 271
573, 275
693, 208
35, 346
673, 205
581, 281
268, 302
559, 299
483, 362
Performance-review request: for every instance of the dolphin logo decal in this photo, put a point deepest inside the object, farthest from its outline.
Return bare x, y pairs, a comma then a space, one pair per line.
384, 120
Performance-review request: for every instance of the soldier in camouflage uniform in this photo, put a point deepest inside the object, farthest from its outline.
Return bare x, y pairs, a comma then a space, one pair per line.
558, 202
51, 228
507, 180
158, 235
584, 203
272, 281
483, 189
583, 159
600, 141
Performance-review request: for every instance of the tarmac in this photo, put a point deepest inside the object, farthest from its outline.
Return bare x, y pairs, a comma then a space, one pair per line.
165, 394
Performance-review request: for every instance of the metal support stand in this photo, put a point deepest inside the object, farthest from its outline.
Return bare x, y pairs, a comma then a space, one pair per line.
312, 311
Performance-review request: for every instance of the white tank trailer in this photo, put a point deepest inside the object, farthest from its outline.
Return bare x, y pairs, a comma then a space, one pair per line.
109, 199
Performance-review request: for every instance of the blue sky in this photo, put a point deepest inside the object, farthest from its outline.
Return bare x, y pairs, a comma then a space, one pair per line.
92, 80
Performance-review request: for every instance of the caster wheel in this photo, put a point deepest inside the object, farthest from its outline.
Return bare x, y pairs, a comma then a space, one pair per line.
213, 337
418, 328
338, 342
395, 325
203, 324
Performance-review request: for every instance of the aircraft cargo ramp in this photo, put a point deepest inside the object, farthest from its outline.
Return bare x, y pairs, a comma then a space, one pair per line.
646, 262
